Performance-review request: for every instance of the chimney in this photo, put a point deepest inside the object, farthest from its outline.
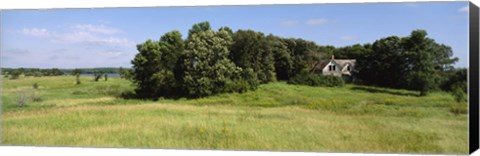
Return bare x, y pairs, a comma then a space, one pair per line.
333, 57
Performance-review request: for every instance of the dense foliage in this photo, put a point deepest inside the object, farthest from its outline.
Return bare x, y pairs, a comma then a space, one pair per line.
204, 68
415, 62
199, 66
209, 62
250, 49
14, 73
317, 80
455, 79
153, 66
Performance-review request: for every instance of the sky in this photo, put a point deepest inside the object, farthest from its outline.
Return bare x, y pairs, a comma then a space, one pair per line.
107, 37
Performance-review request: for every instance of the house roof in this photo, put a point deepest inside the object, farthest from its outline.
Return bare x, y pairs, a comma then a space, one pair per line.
342, 62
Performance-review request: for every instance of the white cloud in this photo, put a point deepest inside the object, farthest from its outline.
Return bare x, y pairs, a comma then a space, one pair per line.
346, 38
318, 21
463, 9
81, 33
288, 23
111, 54
102, 29
36, 32
11, 52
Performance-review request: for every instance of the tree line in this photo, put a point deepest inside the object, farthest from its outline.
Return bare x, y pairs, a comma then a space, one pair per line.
414, 62
211, 61
14, 73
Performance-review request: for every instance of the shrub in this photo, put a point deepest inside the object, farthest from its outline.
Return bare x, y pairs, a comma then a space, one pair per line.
14, 75
23, 97
459, 95
461, 98
78, 79
97, 77
128, 94
35, 86
316, 80
36, 98
459, 108
239, 86
248, 81
332, 81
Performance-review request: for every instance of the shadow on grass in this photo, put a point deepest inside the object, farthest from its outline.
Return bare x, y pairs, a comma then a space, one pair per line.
379, 90
131, 95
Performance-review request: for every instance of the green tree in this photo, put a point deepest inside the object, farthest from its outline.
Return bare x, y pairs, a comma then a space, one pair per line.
145, 65
304, 54
56, 72
154, 64
386, 58
105, 76
97, 75
78, 79
199, 27
415, 62
350, 52
455, 79
125, 73
76, 71
282, 57
227, 29
423, 62
250, 49
205, 69
15, 74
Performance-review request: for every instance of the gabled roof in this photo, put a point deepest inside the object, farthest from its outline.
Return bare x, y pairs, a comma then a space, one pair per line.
342, 62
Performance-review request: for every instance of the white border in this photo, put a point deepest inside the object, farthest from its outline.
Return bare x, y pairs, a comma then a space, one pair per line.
42, 4
78, 151
74, 151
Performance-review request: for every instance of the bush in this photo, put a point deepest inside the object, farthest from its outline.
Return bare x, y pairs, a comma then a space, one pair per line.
97, 76
14, 75
36, 98
248, 81
25, 96
22, 98
459, 108
78, 79
461, 98
459, 94
316, 80
332, 81
35, 86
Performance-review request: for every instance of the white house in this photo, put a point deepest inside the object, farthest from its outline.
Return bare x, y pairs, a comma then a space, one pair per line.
336, 67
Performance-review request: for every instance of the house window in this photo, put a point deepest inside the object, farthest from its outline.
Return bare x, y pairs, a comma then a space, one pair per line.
331, 68
348, 68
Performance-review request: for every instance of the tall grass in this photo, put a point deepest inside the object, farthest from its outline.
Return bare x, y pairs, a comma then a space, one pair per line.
277, 116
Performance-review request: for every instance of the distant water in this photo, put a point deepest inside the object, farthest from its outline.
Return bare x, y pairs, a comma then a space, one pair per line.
113, 75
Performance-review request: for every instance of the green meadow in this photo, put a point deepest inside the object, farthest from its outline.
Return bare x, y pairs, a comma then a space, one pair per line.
277, 116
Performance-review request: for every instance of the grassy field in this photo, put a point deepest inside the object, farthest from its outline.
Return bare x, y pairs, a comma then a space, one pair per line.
277, 116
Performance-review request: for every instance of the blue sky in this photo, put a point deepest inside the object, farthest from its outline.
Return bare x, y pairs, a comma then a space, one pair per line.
74, 38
